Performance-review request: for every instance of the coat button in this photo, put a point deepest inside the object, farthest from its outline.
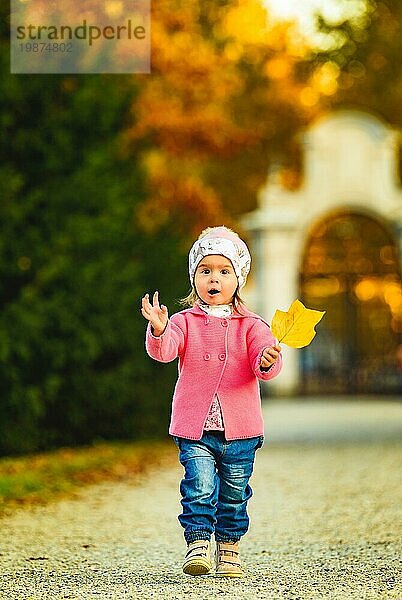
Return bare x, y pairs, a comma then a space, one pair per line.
222, 356
206, 321
207, 356
224, 323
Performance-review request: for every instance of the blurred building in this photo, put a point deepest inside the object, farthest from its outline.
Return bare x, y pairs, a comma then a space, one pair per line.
336, 243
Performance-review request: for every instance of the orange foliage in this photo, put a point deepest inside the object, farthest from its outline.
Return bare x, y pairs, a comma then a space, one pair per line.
183, 106
221, 85
182, 195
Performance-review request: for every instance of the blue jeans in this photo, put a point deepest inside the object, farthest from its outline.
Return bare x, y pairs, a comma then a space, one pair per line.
215, 488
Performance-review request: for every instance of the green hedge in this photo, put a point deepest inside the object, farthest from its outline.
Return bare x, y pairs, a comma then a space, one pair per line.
73, 267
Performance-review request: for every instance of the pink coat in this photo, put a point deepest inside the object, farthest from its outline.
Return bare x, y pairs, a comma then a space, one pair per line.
216, 356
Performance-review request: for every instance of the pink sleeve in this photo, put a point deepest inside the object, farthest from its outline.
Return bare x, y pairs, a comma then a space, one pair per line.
167, 346
259, 338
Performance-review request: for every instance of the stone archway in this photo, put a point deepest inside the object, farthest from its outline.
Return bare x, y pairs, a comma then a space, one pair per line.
350, 268
351, 166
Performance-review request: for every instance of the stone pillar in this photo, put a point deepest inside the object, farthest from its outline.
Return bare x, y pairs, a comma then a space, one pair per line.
280, 253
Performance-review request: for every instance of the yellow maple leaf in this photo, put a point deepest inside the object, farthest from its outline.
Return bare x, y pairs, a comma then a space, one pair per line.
295, 327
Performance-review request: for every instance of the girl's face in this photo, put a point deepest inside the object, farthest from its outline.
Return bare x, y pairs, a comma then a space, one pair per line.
215, 280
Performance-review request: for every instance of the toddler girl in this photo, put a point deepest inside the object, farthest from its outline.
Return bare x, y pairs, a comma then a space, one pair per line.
216, 421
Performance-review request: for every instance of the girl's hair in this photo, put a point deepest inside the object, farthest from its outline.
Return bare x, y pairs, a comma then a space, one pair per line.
192, 297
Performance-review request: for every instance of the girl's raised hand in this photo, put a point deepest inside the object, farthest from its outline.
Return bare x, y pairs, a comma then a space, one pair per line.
155, 314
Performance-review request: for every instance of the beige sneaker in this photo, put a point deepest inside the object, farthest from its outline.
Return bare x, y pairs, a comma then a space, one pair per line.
198, 558
228, 560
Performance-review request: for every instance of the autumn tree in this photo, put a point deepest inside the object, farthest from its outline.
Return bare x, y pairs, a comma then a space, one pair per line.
224, 101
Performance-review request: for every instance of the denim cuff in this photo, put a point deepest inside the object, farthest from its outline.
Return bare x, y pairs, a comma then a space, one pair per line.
196, 534
225, 538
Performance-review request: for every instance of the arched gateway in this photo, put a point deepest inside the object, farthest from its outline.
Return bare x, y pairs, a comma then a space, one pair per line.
336, 244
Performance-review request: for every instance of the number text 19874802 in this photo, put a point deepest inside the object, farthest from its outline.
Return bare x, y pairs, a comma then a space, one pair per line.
46, 47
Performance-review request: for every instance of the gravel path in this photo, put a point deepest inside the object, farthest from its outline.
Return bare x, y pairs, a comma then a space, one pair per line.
326, 523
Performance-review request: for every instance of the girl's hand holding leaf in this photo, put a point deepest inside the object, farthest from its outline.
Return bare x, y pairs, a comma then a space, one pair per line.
269, 356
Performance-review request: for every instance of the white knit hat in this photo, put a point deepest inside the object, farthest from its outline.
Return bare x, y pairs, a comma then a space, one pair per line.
221, 240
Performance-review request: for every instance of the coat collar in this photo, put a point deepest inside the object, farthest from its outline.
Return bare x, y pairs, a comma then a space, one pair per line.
244, 313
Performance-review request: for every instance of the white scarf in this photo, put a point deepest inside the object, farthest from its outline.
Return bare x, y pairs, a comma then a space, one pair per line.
221, 310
